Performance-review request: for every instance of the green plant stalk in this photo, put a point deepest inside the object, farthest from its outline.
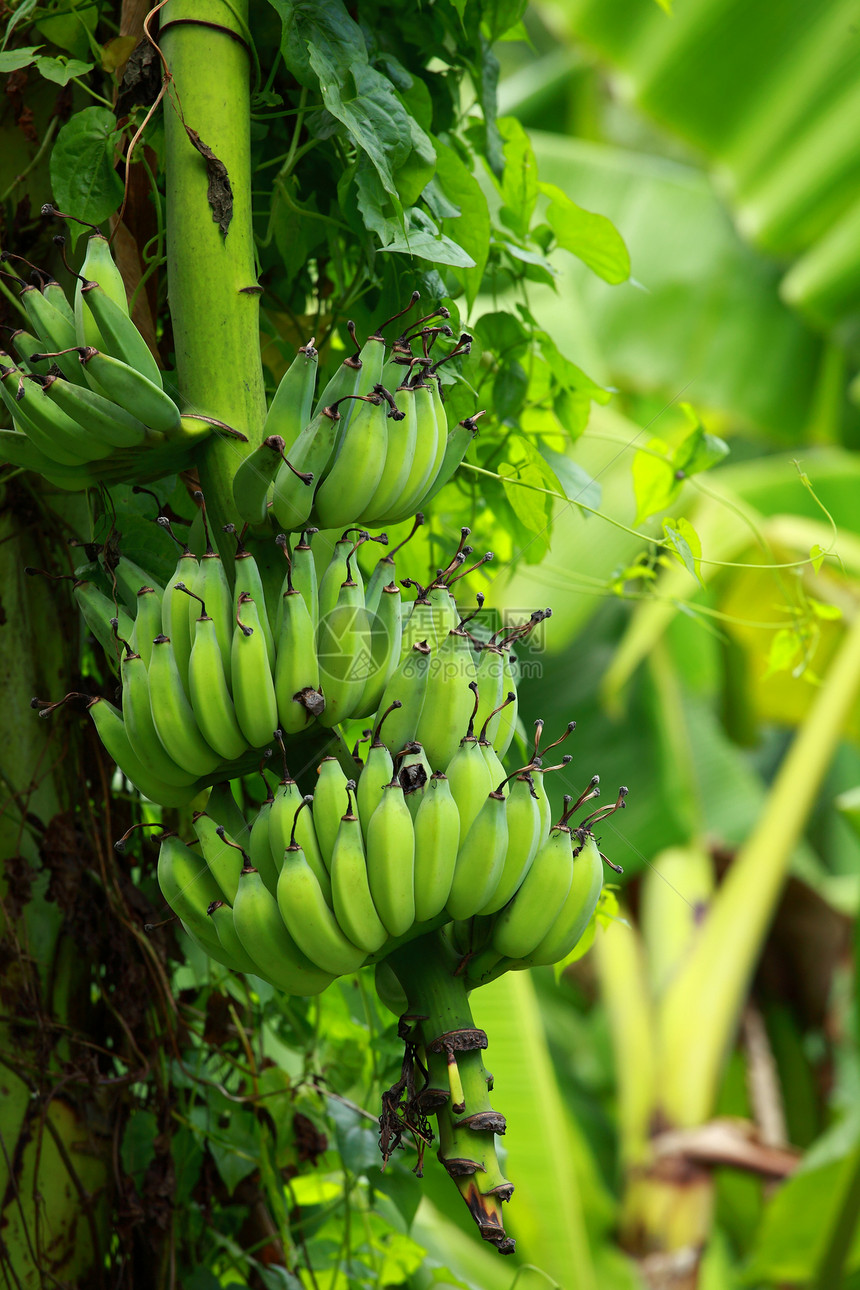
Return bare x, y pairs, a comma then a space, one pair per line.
214, 297
438, 1004
699, 1012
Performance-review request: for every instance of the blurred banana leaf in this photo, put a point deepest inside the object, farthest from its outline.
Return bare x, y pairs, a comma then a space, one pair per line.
772, 96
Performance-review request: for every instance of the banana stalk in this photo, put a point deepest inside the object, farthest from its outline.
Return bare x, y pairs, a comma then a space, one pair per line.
214, 297
439, 1032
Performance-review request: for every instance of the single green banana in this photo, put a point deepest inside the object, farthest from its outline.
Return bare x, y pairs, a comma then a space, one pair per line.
480, 859
173, 715
261, 930
129, 577
426, 443
386, 629
344, 651
507, 719
221, 917
304, 574
400, 451
25, 344
290, 409
210, 697
98, 266
437, 837
248, 582
211, 590
522, 924
345, 379
140, 728
260, 846
329, 796
223, 856
113, 734
147, 622
377, 771
578, 907
131, 390
357, 469
120, 336
293, 497
108, 421
309, 919
224, 809
53, 292
469, 778
18, 449
253, 478
490, 675
176, 621
491, 757
408, 684
297, 675
449, 699
253, 684
524, 837
456, 447
289, 821
391, 860
339, 568
352, 902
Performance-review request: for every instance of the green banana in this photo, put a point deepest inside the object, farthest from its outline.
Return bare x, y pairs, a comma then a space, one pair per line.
437, 836
288, 822
121, 339
400, 450
176, 621
253, 684
129, 577
297, 674
140, 728
290, 409
53, 292
147, 622
386, 628
345, 379
339, 568
211, 588
189, 890
173, 715
210, 697
53, 328
408, 685
249, 582
522, 924
54, 433
131, 390
480, 859
456, 447
253, 478
25, 344
579, 904
328, 799
261, 930
113, 734
357, 469
308, 918
449, 699
378, 771
108, 421
351, 899
344, 652
224, 858
469, 778
524, 837
98, 266
260, 846
391, 860
304, 575
426, 442
293, 497
221, 917
224, 809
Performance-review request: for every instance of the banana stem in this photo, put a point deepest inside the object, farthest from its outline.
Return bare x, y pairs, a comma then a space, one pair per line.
439, 1022
214, 297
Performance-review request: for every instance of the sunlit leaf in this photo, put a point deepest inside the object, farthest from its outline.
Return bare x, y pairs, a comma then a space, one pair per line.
685, 543
592, 238
655, 485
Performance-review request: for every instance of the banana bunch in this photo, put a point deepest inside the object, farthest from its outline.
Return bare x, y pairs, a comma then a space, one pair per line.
359, 454
317, 885
84, 392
